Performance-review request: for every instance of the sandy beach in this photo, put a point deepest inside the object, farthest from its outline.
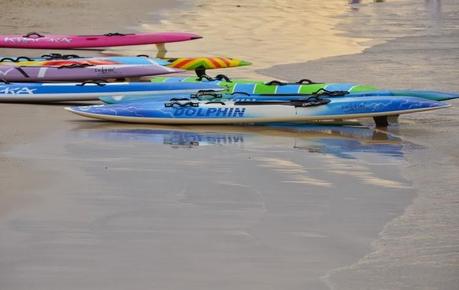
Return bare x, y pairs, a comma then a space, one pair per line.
94, 205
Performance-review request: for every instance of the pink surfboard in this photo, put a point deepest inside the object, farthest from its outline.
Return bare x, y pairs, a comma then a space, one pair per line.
53, 41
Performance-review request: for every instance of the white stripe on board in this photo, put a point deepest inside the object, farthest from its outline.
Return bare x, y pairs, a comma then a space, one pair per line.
74, 84
42, 72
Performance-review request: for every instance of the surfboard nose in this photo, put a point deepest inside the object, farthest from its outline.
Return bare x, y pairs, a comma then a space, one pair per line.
244, 63
73, 109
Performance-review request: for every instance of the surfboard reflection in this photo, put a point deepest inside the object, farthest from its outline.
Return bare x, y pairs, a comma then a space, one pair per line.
340, 141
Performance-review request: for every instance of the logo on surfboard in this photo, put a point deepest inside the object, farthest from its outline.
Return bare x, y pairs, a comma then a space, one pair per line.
26, 39
210, 112
16, 90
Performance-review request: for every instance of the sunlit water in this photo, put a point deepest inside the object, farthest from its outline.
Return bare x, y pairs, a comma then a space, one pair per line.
264, 32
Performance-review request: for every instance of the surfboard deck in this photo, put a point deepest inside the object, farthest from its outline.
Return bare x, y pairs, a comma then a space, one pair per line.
80, 73
55, 92
35, 40
185, 63
263, 87
230, 112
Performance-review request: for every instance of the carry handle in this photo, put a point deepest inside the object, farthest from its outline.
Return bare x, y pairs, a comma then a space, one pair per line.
275, 83
34, 34
181, 105
325, 92
117, 34
75, 65
300, 82
5, 59
18, 59
98, 83
223, 77
307, 81
216, 102
52, 56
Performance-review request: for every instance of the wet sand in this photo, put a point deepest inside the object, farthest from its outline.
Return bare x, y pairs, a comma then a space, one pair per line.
21, 123
90, 205
418, 250
83, 16
217, 207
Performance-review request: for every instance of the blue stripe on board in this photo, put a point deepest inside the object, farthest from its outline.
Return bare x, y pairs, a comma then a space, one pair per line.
130, 60
339, 86
174, 79
244, 88
288, 89
26, 88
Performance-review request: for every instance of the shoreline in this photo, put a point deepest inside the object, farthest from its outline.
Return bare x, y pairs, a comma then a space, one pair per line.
416, 248
275, 35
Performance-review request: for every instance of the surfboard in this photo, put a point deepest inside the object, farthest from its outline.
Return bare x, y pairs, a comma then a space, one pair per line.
185, 63
250, 111
79, 72
35, 40
54, 92
308, 87
259, 87
336, 89
203, 95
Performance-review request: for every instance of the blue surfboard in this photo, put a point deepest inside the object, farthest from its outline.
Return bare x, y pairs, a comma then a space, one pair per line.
256, 109
46, 92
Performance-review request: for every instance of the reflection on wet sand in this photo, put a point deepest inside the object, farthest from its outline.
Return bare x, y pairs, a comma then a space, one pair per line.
250, 196
361, 172
434, 8
355, 4
296, 173
332, 142
339, 141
